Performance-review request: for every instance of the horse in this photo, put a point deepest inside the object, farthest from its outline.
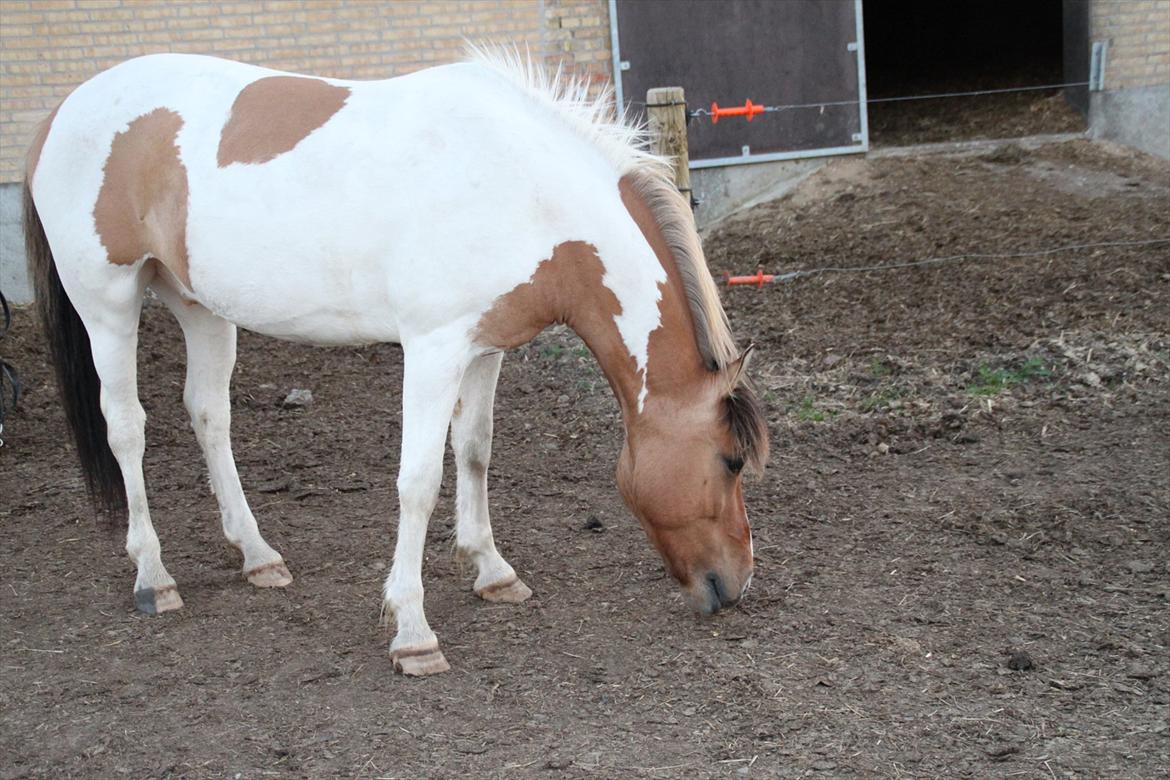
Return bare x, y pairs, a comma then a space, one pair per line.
318, 210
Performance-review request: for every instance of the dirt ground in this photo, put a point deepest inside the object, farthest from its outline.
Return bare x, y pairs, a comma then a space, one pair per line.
962, 539
1010, 115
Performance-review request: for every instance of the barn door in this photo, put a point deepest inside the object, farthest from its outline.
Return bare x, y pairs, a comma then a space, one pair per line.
775, 53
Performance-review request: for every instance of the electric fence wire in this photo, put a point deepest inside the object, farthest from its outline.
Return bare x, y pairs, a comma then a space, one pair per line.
900, 98
793, 275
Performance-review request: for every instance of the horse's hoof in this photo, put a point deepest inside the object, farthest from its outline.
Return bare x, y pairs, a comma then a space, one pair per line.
270, 575
419, 661
509, 591
155, 601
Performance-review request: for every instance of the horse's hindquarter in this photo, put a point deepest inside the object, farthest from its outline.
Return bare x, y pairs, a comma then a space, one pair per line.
410, 207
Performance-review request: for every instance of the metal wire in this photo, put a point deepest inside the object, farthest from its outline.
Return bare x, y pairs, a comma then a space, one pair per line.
792, 275
785, 107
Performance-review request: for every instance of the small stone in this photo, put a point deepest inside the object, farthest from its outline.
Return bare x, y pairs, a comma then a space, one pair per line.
1019, 661
883, 448
562, 400
1140, 567
298, 397
1090, 378
594, 524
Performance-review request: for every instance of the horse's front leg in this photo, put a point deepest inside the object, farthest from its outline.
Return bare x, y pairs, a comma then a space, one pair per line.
471, 438
433, 370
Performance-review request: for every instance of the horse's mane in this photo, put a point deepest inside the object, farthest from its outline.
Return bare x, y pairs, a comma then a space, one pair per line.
624, 144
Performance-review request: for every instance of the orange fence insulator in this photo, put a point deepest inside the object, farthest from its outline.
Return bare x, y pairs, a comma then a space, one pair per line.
748, 109
759, 279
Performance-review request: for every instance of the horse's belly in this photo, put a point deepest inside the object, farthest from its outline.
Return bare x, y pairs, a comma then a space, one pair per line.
332, 298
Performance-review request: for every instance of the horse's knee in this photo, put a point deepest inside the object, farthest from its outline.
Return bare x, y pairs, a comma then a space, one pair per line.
418, 488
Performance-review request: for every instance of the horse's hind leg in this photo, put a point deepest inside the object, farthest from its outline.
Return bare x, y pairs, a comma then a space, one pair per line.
112, 324
211, 355
471, 438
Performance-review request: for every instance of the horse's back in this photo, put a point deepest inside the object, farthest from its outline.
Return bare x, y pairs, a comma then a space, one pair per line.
316, 208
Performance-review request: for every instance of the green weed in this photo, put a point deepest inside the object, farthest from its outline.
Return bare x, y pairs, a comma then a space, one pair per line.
993, 381
808, 412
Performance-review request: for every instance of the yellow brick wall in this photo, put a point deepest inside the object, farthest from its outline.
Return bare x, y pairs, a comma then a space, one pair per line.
47, 47
1138, 32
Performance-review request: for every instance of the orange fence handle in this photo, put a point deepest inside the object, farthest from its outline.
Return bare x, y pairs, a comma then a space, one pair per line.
759, 279
748, 109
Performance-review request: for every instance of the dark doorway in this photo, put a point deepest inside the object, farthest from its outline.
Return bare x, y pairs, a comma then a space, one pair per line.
916, 47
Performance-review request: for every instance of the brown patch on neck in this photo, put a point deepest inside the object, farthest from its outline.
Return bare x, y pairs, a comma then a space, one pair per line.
38, 143
141, 208
673, 357
567, 288
272, 115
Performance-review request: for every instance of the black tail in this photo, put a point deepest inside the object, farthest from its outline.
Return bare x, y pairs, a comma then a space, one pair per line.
77, 378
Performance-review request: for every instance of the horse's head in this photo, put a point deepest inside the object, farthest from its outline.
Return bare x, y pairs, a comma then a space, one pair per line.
681, 473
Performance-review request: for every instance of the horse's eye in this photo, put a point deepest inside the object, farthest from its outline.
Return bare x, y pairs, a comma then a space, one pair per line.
734, 465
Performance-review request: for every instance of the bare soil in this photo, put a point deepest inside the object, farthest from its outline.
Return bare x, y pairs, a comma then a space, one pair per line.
973, 117
962, 540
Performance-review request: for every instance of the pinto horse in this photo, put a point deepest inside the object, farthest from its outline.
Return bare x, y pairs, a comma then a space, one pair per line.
322, 210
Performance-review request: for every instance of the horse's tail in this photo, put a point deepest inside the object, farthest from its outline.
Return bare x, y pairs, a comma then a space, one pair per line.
72, 356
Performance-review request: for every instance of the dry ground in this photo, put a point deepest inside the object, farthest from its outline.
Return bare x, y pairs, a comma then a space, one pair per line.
962, 540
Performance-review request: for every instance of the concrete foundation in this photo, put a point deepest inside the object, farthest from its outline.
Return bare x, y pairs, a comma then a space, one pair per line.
1138, 117
14, 282
724, 191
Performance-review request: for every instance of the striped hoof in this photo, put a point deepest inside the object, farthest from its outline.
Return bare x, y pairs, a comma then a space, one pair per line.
155, 601
419, 661
509, 591
270, 575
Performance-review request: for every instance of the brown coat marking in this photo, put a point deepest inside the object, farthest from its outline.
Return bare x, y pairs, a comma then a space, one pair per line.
567, 288
38, 143
142, 206
272, 115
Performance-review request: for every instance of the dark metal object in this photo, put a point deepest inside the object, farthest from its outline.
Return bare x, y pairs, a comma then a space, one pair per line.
725, 52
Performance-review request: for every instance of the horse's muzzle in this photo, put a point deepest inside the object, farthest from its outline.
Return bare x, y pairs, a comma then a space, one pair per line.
712, 593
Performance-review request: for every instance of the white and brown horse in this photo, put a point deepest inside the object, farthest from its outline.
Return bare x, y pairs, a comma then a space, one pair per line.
319, 210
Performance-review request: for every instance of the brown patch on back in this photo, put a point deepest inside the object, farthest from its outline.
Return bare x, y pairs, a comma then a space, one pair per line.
142, 206
272, 115
38, 143
566, 288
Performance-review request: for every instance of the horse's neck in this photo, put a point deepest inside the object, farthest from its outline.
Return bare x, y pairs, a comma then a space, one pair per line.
674, 373
570, 287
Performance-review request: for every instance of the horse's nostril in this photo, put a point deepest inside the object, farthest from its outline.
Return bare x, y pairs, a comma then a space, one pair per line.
715, 592
723, 596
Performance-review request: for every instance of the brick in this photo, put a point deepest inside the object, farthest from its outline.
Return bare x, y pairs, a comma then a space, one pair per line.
50, 46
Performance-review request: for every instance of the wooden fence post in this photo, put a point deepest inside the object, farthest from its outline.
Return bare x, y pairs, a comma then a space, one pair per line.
666, 110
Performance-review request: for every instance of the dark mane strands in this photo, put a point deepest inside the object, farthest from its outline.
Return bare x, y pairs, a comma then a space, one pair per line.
749, 427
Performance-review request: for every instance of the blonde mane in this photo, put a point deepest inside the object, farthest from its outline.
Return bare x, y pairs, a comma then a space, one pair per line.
624, 144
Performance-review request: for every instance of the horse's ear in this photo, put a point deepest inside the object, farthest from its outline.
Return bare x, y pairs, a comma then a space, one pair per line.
735, 370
